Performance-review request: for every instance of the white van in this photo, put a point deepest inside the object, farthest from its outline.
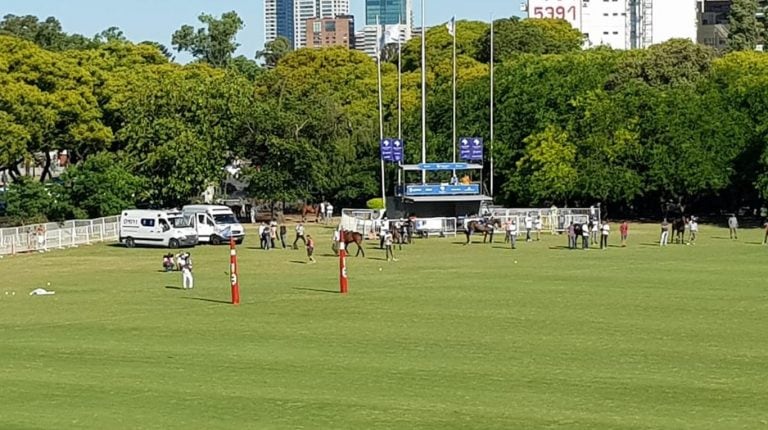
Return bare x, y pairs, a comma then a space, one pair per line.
211, 223
168, 229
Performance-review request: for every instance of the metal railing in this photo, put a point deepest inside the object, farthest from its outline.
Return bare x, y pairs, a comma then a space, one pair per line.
49, 236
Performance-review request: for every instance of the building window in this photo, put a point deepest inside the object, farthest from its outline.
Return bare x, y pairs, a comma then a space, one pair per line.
317, 26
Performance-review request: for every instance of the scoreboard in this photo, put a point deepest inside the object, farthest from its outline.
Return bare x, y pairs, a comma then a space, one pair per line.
569, 10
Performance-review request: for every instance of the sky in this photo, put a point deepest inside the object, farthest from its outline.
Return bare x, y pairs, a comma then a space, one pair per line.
156, 20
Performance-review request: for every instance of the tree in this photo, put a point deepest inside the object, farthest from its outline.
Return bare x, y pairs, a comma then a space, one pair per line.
112, 34
547, 171
440, 45
514, 36
743, 29
213, 44
273, 51
47, 34
48, 102
674, 62
102, 185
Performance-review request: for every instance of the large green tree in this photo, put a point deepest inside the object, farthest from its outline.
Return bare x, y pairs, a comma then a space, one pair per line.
214, 43
514, 36
743, 27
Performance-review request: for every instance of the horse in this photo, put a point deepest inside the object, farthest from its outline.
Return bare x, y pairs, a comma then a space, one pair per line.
678, 230
486, 228
356, 238
310, 209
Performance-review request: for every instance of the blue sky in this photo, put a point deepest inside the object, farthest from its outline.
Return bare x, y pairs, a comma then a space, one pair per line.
158, 19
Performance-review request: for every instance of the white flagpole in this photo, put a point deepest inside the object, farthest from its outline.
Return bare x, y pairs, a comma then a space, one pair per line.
423, 92
381, 107
493, 96
399, 81
453, 27
399, 91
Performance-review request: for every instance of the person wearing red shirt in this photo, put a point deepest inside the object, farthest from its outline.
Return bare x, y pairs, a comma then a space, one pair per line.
624, 230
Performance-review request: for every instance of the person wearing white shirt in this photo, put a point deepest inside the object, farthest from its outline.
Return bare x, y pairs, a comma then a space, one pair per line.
537, 227
605, 230
321, 212
693, 225
187, 281
383, 232
585, 236
512, 232
328, 212
299, 235
528, 227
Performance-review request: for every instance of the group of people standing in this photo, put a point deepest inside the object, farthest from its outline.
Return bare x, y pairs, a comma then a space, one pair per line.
594, 232
269, 234
531, 224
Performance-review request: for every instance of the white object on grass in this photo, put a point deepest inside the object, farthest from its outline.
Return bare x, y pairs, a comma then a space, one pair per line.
42, 292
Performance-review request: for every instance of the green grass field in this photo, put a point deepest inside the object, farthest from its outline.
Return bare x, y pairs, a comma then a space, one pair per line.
449, 337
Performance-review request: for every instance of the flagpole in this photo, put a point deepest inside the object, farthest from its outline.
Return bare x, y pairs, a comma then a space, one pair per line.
399, 91
423, 92
381, 108
399, 82
453, 27
493, 96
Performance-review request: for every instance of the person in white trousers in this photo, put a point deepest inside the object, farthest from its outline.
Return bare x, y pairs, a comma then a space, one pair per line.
664, 233
187, 280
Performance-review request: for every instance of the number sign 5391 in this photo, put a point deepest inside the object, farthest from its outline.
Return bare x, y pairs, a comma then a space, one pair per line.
567, 10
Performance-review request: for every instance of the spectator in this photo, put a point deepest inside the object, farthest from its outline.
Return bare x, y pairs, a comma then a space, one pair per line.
328, 212
40, 235
664, 233
693, 225
512, 232
605, 230
528, 227
733, 225
585, 236
283, 234
537, 227
571, 236
624, 230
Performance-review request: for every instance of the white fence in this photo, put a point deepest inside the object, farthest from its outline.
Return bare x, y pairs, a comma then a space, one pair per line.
368, 223
552, 219
45, 237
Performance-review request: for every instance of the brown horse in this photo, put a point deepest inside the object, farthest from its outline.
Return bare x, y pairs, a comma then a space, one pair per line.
310, 209
356, 238
678, 230
486, 228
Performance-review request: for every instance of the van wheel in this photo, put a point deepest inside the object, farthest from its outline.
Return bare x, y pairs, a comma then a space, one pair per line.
215, 240
173, 244
129, 242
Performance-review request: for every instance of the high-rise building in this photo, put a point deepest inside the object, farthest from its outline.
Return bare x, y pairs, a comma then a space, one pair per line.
389, 12
279, 20
288, 18
622, 24
713, 23
323, 32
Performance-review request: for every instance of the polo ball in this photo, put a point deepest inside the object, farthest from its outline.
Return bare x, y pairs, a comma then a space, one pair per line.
380, 269
515, 261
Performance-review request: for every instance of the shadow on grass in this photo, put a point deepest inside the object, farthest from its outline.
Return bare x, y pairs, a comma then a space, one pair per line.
316, 290
203, 299
298, 262
173, 287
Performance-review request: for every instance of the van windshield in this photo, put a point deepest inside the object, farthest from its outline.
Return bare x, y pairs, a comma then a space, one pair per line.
225, 219
180, 222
